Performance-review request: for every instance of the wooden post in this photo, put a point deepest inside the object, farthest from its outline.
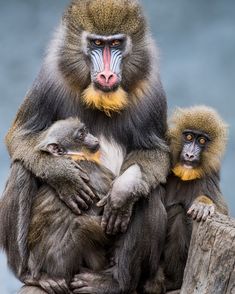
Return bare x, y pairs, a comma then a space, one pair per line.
210, 267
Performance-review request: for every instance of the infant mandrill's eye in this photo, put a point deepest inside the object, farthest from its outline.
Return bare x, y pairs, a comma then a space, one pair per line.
81, 134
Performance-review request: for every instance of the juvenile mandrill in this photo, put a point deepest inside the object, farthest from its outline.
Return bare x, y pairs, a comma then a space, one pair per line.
101, 68
59, 241
197, 139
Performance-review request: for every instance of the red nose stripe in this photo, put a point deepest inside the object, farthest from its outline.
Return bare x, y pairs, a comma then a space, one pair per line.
107, 58
107, 78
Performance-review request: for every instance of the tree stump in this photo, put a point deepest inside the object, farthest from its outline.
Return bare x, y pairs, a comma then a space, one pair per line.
210, 267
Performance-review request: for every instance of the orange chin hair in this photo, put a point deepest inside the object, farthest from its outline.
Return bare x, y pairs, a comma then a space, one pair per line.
86, 155
107, 102
186, 174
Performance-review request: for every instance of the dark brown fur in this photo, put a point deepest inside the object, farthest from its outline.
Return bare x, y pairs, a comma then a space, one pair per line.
139, 129
60, 242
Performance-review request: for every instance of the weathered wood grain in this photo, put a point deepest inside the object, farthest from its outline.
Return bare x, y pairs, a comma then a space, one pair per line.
210, 267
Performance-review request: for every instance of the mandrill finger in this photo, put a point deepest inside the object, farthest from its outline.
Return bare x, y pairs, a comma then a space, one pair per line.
45, 285
191, 209
85, 197
88, 191
63, 285
124, 224
103, 201
117, 226
81, 203
55, 286
205, 213
78, 284
106, 215
85, 290
111, 222
194, 214
212, 210
72, 204
31, 282
82, 173
200, 214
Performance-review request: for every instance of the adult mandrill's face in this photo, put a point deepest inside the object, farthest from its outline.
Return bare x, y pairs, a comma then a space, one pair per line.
105, 54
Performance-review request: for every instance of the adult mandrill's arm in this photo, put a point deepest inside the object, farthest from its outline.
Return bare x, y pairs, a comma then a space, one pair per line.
154, 166
64, 175
142, 171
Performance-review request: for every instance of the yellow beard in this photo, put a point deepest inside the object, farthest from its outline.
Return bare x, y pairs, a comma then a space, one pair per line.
107, 102
187, 174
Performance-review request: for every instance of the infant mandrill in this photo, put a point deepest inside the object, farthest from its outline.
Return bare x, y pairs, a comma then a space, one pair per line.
197, 141
61, 242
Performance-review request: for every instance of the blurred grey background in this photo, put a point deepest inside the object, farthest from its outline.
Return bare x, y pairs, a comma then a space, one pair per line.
197, 43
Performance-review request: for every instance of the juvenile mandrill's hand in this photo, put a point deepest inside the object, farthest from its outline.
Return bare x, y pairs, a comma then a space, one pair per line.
201, 208
118, 204
73, 188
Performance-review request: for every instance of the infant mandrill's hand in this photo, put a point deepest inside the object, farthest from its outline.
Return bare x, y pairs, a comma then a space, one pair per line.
201, 208
73, 189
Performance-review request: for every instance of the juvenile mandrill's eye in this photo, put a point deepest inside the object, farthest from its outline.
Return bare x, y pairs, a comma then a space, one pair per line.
188, 137
202, 141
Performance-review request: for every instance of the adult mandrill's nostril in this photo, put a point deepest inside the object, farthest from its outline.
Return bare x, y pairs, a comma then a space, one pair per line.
107, 78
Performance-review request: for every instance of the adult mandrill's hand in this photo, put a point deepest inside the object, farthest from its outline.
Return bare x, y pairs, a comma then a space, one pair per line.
118, 204
115, 220
73, 188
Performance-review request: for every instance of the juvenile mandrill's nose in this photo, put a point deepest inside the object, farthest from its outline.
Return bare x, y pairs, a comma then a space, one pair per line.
107, 78
190, 156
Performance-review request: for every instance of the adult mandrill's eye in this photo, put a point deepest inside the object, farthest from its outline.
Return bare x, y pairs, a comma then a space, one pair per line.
98, 43
116, 43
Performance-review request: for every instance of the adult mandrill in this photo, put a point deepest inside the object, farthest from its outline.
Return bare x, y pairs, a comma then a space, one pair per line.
101, 68
197, 141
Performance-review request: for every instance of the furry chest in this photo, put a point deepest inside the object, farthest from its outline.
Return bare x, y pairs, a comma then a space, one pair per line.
112, 154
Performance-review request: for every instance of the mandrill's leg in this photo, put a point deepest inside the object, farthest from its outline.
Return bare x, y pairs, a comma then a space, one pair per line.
136, 255
179, 229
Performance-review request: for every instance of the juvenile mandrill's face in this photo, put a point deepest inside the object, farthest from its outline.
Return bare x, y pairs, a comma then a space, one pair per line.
193, 142
105, 55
